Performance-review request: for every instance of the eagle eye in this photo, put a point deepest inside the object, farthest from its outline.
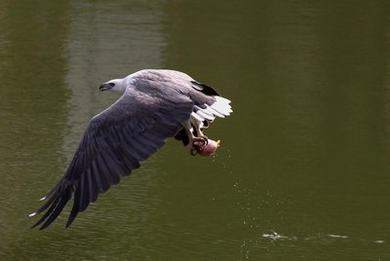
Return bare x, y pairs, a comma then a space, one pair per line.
111, 84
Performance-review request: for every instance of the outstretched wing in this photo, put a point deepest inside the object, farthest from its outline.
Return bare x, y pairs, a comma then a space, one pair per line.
114, 144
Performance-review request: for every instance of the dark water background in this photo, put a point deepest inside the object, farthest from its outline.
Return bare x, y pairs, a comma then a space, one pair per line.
303, 172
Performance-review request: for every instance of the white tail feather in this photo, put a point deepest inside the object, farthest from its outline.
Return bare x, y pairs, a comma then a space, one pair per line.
215, 112
197, 117
205, 115
222, 99
222, 105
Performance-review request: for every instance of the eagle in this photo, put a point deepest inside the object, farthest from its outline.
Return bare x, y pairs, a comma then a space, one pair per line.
155, 105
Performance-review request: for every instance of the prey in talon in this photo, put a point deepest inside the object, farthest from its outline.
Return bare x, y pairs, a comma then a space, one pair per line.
208, 148
198, 142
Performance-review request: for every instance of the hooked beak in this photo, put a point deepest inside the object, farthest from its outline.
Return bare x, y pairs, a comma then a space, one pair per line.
105, 87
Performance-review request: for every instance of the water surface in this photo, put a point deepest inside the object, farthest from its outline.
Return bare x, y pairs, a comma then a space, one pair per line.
303, 171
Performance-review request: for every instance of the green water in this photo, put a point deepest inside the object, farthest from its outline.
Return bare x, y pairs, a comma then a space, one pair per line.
303, 172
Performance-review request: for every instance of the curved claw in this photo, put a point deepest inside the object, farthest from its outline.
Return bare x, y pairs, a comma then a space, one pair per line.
193, 152
199, 141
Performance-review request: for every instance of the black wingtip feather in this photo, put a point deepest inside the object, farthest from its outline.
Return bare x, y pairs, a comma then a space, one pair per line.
208, 90
59, 207
43, 218
54, 204
75, 208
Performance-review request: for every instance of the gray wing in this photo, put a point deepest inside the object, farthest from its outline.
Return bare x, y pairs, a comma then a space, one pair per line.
114, 144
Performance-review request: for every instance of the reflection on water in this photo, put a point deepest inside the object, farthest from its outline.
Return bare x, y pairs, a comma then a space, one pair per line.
110, 41
106, 42
305, 152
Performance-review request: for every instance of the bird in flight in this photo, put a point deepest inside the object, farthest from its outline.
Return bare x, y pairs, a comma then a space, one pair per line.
155, 105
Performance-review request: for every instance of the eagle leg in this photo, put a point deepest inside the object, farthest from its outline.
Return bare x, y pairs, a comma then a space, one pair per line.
198, 126
197, 138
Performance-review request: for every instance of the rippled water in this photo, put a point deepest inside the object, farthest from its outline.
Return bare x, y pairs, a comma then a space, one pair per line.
303, 171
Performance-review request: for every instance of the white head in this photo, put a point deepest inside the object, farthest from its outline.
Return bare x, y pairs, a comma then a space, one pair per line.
115, 85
